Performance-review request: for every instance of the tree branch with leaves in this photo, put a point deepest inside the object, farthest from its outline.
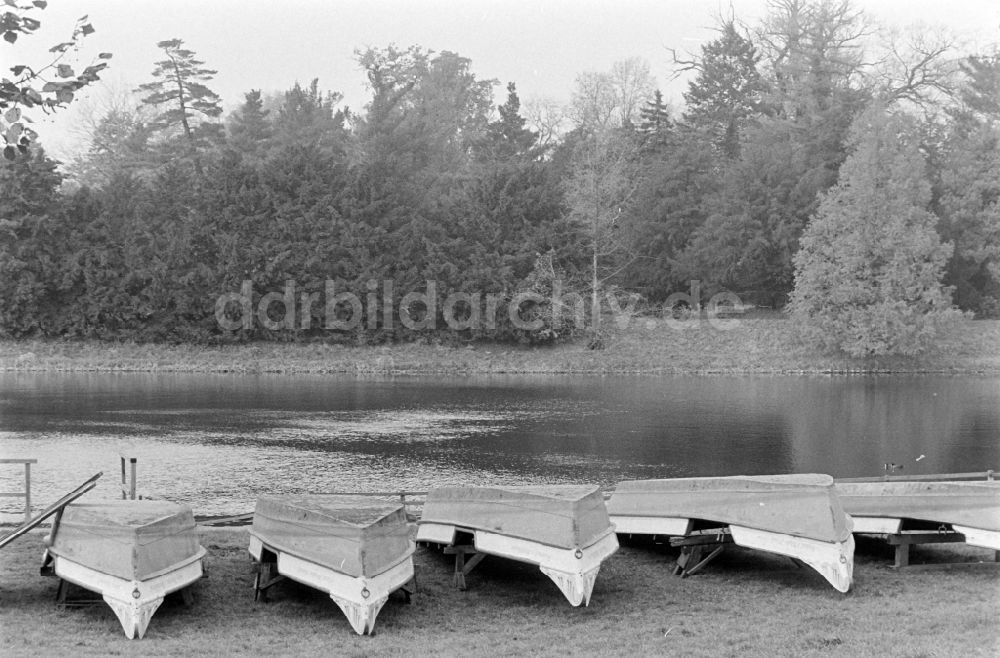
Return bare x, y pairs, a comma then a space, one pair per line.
49, 87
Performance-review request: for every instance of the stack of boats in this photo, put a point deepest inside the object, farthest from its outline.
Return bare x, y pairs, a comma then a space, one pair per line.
359, 550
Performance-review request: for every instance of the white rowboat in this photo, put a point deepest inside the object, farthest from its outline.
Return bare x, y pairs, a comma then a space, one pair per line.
357, 550
970, 508
564, 529
131, 552
795, 515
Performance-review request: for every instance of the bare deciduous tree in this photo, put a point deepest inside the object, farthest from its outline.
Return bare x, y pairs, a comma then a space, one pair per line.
594, 102
547, 117
917, 66
633, 86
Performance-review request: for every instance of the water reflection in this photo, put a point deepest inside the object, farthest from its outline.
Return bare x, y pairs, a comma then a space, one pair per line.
216, 442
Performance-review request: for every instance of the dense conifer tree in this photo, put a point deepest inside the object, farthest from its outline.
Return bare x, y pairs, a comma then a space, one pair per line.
868, 276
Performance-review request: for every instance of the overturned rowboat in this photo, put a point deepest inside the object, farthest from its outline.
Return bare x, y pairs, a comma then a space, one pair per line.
564, 529
356, 549
971, 509
131, 552
799, 516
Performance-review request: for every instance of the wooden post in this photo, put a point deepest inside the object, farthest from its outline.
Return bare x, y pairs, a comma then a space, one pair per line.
462, 568
131, 490
128, 481
902, 556
459, 577
27, 491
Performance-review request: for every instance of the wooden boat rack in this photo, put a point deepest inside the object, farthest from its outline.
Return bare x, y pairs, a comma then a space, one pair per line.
694, 545
914, 533
463, 566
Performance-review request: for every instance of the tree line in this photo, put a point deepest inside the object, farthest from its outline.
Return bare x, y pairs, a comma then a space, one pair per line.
757, 185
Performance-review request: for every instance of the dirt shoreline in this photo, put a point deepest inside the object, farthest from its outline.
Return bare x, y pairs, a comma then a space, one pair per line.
753, 346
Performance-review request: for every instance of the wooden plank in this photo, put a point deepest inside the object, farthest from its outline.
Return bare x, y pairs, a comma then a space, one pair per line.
234, 520
703, 538
910, 538
711, 556
266, 577
946, 566
933, 477
473, 561
462, 568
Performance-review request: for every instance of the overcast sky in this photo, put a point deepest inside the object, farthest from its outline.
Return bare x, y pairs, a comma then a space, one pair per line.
541, 45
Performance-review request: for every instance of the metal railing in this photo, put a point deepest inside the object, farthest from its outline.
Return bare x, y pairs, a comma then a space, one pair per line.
26, 494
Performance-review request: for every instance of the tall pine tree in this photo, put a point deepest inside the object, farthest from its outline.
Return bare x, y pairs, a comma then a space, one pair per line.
180, 90
727, 92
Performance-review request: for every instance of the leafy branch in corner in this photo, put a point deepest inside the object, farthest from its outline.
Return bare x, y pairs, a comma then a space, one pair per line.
48, 87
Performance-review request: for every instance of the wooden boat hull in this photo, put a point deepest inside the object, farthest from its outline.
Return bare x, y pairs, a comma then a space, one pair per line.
564, 530
970, 508
355, 549
798, 516
131, 552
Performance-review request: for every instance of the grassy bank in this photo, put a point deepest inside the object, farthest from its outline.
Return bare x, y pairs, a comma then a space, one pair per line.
752, 346
745, 604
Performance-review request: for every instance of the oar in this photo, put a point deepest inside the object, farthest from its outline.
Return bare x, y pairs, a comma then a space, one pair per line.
51, 509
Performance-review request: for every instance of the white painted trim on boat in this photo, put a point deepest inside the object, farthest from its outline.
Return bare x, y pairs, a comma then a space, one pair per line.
133, 601
256, 547
979, 537
573, 570
876, 525
833, 560
436, 533
360, 598
651, 525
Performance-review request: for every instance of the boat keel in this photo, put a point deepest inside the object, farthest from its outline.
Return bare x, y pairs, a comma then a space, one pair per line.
360, 615
576, 587
833, 560
134, 614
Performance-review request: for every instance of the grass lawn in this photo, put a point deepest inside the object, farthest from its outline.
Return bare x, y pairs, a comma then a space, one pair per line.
761, 345
745, 603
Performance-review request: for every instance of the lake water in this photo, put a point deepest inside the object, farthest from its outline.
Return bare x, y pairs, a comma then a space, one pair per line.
216, 442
